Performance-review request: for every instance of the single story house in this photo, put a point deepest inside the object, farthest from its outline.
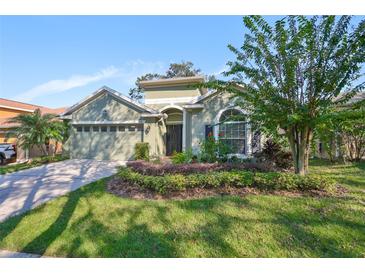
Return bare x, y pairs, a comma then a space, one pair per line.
175, 116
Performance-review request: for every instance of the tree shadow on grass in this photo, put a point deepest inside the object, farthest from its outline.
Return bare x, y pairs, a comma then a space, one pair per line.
305, 239
40, 244
135, 241
297, 232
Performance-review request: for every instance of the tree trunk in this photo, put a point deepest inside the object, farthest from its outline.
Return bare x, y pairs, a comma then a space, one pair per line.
55, 148
299, 141
43, 150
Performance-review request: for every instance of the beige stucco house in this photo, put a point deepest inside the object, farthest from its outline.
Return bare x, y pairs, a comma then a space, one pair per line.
175, 116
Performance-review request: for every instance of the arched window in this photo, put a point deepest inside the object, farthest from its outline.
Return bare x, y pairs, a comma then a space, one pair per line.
232, 130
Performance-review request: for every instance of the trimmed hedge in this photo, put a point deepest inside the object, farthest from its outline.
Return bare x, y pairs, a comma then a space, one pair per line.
264, 181
148, 168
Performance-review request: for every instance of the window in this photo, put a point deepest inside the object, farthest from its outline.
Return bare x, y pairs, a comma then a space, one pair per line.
122, 128
208, 131
131, 128
232, 131
95, 129
104, 128
113, 129
79, 129
87, 129
139, 127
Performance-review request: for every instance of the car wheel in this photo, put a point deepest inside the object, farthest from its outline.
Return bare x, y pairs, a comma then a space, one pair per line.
2, 159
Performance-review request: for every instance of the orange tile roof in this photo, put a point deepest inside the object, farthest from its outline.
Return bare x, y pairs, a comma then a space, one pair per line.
11, 104
15, 104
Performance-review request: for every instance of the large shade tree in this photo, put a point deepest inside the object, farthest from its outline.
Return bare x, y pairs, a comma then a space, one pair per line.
37, 129
291, 72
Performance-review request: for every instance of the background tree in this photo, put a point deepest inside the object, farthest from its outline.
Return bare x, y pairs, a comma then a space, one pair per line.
344, 128
36, 129
183, 69
136, 93
291, 72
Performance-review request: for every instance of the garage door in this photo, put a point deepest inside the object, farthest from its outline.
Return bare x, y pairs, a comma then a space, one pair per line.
106, 142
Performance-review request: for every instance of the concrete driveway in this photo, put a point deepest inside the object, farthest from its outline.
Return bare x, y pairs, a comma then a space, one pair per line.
20, 191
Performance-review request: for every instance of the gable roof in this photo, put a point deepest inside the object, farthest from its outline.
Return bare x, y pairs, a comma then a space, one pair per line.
114, 93
16, 105
214, 92
23, 107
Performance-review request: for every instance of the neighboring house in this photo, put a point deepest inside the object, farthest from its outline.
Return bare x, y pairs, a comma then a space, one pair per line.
175, 116
9, 109
320, 150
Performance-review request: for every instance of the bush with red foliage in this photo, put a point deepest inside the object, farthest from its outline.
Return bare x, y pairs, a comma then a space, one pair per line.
148, 168
273, 154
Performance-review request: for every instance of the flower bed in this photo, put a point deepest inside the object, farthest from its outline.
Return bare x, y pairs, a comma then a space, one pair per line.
234, 178
152, 169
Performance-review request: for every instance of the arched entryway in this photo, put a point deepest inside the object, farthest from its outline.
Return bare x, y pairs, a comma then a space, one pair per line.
174, 129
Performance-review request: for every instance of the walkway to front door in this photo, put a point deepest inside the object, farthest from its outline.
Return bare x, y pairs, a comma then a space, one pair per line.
173, 139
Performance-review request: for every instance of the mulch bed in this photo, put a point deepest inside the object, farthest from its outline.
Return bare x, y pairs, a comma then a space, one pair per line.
128, 190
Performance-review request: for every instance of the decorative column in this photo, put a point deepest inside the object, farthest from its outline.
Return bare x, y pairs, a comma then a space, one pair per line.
184, 128
248, 139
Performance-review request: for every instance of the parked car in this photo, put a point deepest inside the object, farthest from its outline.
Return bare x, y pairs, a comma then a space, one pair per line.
7, 152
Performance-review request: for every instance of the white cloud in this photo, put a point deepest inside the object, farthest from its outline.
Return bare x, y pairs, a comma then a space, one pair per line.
219, 73
57, 86
127, 74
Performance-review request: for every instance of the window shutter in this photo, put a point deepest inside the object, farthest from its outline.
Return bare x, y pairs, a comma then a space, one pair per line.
208, 131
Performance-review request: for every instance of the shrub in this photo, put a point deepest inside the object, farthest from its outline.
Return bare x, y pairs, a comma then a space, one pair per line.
316, 182
142, 151
148, 168
264, 181
178, 182
213, 150
272, 153
185, 157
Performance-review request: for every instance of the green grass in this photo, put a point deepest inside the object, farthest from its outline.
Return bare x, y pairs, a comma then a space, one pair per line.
92, 223
35, 162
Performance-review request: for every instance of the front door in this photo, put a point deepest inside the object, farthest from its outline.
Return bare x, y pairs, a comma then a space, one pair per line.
173, 139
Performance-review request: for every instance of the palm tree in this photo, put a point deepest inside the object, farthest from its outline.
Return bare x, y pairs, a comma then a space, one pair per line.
37, 129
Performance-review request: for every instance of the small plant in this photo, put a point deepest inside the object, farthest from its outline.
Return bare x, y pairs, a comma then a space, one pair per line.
142, 151
185, 157
213, 150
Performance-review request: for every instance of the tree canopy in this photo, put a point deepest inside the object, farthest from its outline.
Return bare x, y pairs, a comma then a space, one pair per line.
292, 71
36, 129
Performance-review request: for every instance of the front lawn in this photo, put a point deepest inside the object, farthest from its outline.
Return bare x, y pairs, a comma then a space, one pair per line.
32, 163
90, 222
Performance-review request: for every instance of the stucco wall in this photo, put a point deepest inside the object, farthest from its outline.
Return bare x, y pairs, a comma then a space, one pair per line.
116, 110
188, 129
154, 134
171, 92
108, 145
208, 116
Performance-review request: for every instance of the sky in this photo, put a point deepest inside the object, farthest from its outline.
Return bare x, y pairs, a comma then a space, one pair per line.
56, 61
